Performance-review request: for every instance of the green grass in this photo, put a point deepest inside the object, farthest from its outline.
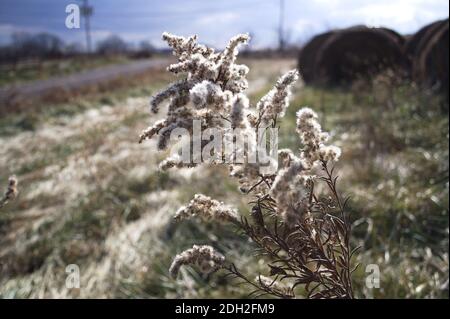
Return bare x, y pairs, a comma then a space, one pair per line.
395, 168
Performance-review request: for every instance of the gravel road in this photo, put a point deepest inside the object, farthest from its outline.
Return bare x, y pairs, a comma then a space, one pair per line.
79, 80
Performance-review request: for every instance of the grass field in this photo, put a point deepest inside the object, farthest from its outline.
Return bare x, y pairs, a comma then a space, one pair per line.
91, 195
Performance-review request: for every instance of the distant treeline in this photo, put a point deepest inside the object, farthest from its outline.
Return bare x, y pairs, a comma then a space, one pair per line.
24, 46
49, 46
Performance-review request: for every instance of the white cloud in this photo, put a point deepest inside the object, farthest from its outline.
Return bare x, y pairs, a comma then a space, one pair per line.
217, 18
401, 15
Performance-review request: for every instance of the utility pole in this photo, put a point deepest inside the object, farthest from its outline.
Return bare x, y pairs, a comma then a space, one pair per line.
281, 43
86, 12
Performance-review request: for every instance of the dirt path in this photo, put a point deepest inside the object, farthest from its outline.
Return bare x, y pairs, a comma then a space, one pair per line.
76, 81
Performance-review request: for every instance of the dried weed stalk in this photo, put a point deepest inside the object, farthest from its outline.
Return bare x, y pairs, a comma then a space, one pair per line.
298, 220
11, 191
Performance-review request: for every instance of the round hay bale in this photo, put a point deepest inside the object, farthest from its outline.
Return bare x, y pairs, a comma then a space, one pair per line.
417, 42
394, 35
357, 53
308, 54
400, 39
431, 64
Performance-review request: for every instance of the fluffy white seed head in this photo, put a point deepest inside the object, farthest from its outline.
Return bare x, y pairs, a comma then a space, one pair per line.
174, 160
313, 139
272, 284
290, 189
206, 258
238, 111
274, 104
207, 209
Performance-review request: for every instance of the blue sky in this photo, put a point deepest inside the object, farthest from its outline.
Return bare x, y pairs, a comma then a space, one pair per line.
216, 20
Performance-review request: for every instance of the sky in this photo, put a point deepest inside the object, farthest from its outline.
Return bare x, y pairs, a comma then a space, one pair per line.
215, 21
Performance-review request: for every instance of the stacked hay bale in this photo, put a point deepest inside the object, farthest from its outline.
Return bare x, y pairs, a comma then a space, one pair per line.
417, 41
427, 51
308, 54
342, 56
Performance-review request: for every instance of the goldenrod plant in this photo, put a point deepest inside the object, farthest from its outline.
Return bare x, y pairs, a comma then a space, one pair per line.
301, 227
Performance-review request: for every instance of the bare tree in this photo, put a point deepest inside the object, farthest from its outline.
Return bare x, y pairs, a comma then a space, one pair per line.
112, 45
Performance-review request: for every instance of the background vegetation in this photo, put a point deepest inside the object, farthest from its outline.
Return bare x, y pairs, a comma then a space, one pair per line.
90, 195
